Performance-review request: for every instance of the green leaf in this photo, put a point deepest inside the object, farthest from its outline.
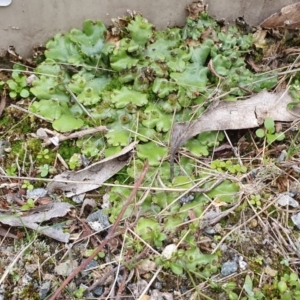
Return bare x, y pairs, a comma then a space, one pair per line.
49, 109
248, 286
67, 122
183, 182
164, 41
154, 117
221, 65
49, 88
176, 268
162, 87
12, 84
152, 152
196, 148
225, 191
88, 96
48, 67
91, 39
24, 93
118, 137
194, 76
140, 30
126, 96
260, 133
282, 286
120, 59
146, 226
62, 49
13, 95
270, 125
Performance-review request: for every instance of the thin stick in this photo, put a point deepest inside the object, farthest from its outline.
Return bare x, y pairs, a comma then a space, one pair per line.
110, 234
77, 134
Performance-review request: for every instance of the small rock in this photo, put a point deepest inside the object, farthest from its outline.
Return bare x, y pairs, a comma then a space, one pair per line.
30, 268
223, 247
91, 265
268, 261
169, 250
137, 288
296, 220
146, 266
210, 230
26, 279
65, 268
287, 200
98, 220
156, 294
186, 199
36, 193
44, 289
242, 264
158, 285
253, 223
78, 198
229, 267
98, 291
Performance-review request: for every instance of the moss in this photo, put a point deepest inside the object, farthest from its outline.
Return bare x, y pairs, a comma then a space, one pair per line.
114, 84
67, 149
34, 145
29, 293
4, 121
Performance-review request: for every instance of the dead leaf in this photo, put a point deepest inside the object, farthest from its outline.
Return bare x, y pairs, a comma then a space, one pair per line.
2, 103
243, 114
6, 233
88, 204
57, 209
259, 38
288, 17
195, 9
92, 177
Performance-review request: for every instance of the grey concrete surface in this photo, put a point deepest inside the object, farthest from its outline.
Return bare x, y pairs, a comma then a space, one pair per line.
28, 23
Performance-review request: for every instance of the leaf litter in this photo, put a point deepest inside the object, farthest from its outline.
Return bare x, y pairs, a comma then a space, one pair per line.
149, 110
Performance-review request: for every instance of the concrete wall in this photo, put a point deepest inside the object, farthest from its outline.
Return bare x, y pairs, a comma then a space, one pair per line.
27, 23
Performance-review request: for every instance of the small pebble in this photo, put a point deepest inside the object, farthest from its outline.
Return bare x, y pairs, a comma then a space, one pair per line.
98, 291
92, 264
44, 289
253, 223
229, 267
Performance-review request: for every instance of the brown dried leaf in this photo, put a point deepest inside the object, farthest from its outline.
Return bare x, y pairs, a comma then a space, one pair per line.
244, 114
54, 210
196, 8
92, 177
288, 17
89, 204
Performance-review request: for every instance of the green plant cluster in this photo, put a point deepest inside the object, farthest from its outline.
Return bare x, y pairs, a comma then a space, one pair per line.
141, 84
18, 85
228, 165
138, 84
269, 132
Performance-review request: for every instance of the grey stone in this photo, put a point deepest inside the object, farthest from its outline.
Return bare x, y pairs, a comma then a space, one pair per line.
44, 289
229, 267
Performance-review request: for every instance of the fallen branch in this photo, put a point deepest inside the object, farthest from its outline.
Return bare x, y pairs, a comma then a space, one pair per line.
74, 135
111, 233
